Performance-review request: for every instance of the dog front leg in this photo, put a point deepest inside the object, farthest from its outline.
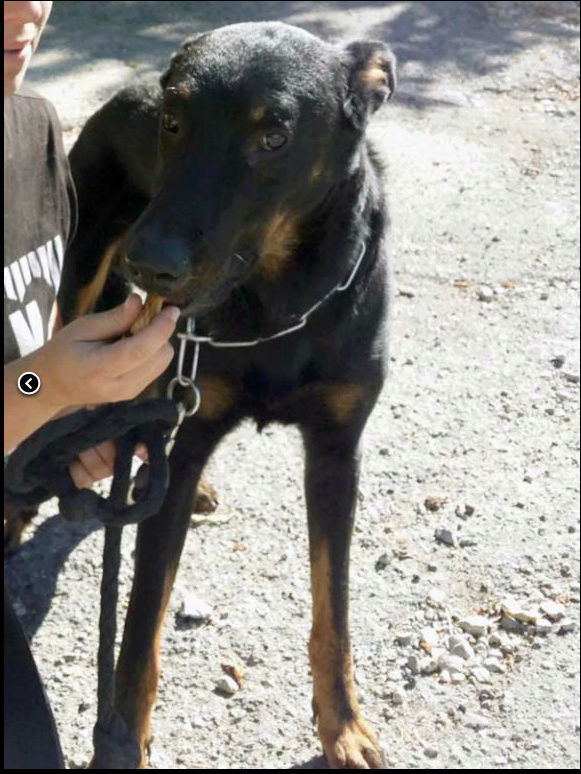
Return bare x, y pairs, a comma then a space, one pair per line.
332, 473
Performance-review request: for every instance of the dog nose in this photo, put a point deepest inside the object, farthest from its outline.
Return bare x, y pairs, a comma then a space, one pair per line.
157, 266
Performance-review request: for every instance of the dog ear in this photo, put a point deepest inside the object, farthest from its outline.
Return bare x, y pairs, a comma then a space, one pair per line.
371, 67
180, 56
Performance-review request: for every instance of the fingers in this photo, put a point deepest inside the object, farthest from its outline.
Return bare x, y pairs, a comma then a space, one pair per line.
110, 324
93, 465
130, 354
133, 383
98, 463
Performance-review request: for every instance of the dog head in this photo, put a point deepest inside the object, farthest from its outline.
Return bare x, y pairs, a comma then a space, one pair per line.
258, 123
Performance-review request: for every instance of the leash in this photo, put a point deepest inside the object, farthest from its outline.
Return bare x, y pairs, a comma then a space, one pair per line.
38, 470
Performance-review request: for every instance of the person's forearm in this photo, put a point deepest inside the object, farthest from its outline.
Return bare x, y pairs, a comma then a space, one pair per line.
23, 414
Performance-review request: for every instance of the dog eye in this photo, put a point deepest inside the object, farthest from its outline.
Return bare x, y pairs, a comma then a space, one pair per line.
170, 123
272, 141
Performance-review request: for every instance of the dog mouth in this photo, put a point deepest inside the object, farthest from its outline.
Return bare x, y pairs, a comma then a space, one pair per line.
194, 298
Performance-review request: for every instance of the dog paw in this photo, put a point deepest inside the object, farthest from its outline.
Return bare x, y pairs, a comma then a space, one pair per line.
206, 498
352, 746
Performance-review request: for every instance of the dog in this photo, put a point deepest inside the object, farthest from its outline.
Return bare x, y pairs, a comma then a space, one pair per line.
242, 188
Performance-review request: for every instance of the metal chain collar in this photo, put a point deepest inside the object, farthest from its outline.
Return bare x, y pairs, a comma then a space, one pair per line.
188, 381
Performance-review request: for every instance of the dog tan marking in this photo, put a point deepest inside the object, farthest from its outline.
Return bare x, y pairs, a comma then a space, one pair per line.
89, 295
278, 241
217, 397
257, 113
347, 741
374, 75
317, 171
342, 400
138, 699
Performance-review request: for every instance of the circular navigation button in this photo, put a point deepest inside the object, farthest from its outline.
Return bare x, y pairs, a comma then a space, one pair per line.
28, 383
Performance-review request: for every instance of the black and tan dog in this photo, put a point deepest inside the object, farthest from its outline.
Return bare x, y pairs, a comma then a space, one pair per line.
244, 191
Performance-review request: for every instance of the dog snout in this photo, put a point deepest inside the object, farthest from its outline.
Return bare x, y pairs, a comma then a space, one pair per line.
162, 267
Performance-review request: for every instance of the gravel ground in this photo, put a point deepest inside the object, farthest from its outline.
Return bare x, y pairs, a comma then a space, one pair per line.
469, 501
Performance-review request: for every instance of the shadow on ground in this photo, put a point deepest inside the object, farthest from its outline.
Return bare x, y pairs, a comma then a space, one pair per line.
473, 38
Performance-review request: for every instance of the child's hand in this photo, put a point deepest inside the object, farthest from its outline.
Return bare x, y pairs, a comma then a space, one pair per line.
87, 362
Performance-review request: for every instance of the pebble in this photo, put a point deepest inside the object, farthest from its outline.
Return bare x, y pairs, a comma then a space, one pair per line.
428, 666
409, 293
459, 646
397, 696
414, 664
475, 721
227, 685
404, 638
445, 677
451, 664
543, 626
445, 536
430, 752
195, 609
436, 597
571, 378
480, 674
467, 542
495, 666
553, 610
567, 626
558, 361
382, 562
475, 624
485, 293
428, 639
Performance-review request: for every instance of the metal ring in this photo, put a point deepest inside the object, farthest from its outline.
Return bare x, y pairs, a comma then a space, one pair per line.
189, 384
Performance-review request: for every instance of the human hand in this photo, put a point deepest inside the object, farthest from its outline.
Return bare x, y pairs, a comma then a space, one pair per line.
86, 361
97, 463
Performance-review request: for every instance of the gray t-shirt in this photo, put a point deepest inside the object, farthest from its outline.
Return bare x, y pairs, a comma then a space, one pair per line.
39, 205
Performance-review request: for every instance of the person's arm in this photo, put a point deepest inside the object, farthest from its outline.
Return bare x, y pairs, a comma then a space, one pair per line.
84, 364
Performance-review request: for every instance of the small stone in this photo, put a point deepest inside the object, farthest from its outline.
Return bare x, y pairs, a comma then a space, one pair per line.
406, 292
494, 666
510, 625
513, 609
397, 696
430, 752
481, 674
485, 293
475, 624
475, 721
495, 653
195, 609
445, 536
462, 648
570, 377
404, 639
383, 561
413, 663
458, 677
558, 361
432, 503
428, 639
428, 666
445, 677
451, 664
467, 542
543, 626
436, 598
553, 610
227, 685
567, 626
